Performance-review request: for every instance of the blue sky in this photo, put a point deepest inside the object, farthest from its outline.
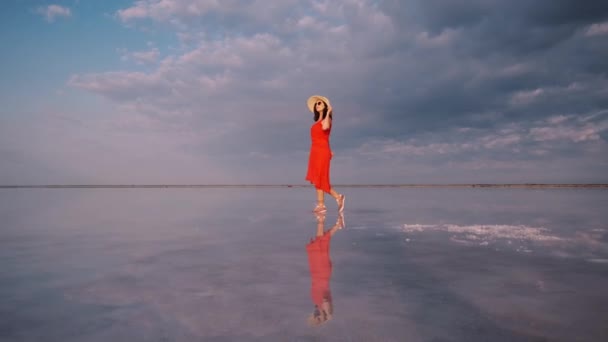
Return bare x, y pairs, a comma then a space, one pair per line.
202, 91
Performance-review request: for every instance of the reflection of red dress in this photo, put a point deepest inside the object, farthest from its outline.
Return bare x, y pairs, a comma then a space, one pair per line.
320, 155
320, 268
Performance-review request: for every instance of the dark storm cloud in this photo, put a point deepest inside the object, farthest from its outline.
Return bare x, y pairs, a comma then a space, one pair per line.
454, 60
438, 15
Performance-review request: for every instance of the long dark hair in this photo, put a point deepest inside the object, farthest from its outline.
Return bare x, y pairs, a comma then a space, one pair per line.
317, 114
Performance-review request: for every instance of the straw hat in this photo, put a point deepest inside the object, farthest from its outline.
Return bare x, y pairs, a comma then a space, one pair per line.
313, 99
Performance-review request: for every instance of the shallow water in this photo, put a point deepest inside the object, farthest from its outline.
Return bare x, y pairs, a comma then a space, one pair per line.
231, 265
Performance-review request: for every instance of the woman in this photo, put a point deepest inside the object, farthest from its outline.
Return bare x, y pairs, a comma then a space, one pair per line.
320, 153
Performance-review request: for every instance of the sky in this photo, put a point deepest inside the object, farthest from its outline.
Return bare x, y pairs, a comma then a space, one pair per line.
214, 92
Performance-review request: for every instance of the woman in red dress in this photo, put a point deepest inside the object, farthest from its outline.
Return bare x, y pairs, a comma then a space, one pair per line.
320, 153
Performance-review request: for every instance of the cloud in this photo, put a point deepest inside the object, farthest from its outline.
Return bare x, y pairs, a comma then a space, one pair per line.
576, 131
526, 96
499, 147
597, 29
51, 12
165, 9
142, 57
448, 83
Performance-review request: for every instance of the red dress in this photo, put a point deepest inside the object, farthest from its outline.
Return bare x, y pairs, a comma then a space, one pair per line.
320, 155
320, 268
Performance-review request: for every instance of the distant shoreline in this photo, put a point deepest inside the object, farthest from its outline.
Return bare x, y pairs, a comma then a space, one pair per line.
208, 186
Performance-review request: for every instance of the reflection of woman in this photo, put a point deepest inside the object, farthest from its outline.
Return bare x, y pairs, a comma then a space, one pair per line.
320, 271
320, 152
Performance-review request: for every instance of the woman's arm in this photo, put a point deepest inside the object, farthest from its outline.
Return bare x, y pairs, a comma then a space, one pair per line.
326, 123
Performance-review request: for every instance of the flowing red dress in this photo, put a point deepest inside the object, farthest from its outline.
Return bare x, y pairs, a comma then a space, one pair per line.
319, 157
320, 268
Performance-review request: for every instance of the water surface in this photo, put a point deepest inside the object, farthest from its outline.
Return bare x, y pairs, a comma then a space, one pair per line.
231, 265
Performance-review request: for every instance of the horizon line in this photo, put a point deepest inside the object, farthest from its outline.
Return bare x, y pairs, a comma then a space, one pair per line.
394, 185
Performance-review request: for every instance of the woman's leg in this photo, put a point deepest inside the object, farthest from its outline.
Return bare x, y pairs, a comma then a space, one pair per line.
320, 202
339, 199
334, 194
320, 197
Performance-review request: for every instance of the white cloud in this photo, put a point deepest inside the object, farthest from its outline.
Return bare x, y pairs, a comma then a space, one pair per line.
214, 68
410, 148
180, 12
572, 128
575, 134
453, 144
510, 138
526, 96
592, 116
597, 29
557, 119
500, 141
245, 72
142, 57
122, 85
51, 12
164, 9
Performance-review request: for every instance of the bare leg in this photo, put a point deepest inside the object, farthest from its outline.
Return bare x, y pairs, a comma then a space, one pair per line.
320, 202
320, 197
339, 199
334, 194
